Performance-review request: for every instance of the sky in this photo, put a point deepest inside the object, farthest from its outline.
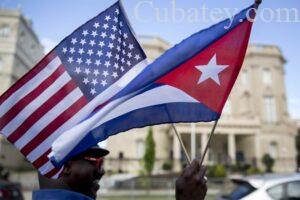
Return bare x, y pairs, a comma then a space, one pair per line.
278, 23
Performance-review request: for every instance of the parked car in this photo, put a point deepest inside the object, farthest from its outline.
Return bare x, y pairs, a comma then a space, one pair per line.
265, 187
10, 191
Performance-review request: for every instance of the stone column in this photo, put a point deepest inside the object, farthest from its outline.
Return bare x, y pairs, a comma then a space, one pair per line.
176, 154
232, 148
204, 141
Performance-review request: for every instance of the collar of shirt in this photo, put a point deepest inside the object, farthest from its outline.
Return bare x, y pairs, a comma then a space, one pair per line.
57, 194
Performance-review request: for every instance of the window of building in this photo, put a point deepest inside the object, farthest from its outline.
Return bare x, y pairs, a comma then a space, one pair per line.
245, 77
267, 77
276, 192
274, 150
270, 109
227, 108
293, 191
140, 148
4, 31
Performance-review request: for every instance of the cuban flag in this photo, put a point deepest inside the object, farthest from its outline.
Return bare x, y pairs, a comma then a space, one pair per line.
189, 83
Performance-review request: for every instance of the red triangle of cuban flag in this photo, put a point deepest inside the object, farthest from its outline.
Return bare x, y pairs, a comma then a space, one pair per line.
210, 75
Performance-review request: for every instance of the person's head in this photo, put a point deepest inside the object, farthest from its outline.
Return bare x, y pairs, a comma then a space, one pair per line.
80, 174
83, 172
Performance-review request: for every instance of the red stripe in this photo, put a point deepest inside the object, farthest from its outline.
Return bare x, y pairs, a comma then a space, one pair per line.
55, 124
42, 159
34, 71
41, 111
18, 107
51, 173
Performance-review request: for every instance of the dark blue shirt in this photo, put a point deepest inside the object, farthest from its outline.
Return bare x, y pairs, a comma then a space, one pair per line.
57, 194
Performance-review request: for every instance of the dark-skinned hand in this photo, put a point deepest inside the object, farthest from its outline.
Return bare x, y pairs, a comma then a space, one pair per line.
191, 184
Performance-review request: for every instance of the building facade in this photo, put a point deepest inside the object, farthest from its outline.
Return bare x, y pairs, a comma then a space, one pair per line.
255, 121
20, 50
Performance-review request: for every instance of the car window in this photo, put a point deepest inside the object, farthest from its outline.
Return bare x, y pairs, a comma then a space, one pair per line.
276, 192
293, 190
240, 191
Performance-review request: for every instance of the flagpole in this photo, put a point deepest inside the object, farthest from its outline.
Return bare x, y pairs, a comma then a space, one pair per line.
182, 145
208, 142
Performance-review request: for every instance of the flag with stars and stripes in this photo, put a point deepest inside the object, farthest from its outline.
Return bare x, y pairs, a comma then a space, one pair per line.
79, 76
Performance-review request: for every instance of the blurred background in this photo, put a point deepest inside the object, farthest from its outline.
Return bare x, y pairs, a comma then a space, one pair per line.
259, 131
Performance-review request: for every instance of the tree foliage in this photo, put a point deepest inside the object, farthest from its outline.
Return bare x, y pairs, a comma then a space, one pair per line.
269, 162
149, 156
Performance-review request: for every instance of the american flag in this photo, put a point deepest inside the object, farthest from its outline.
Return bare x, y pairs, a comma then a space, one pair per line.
82, 72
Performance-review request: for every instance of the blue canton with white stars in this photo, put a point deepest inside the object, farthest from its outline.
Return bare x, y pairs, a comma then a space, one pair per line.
100, 52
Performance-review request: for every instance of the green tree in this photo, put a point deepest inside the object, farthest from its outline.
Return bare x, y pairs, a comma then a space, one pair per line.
269, 162
298, 149
149, 156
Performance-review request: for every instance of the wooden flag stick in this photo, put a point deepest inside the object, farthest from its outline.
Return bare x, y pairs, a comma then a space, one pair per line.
208, 142
182, 145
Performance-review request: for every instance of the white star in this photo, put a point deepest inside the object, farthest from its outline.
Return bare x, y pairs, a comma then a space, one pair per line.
118, 48
79, 61
125, 35
129, 55
110, 45
105, 26
107, 64
72, 50
96, 72
64, 50
117, 57
70, 60
90, 52
101, 44
112, 36
81, 51
115, 74
93, 91
109, 54
103, 35
122, 60
94, 81
94, 33
97, 62
116, 65
77, 70
85, 81
85, 32
107, 18
105, 73
121, 24
82, 42
88, 61
103, 83
128, 63
122, 69
137, 56
74, 40
92, 42
117, 11
211, 70
96, 25
99, 53
114, 28
87, 71
130, 46
116, 20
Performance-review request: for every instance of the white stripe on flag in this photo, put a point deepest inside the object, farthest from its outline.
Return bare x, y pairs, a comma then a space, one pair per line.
156, 96
59, 108
46, 167
29, 86
35, 104
48, 118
